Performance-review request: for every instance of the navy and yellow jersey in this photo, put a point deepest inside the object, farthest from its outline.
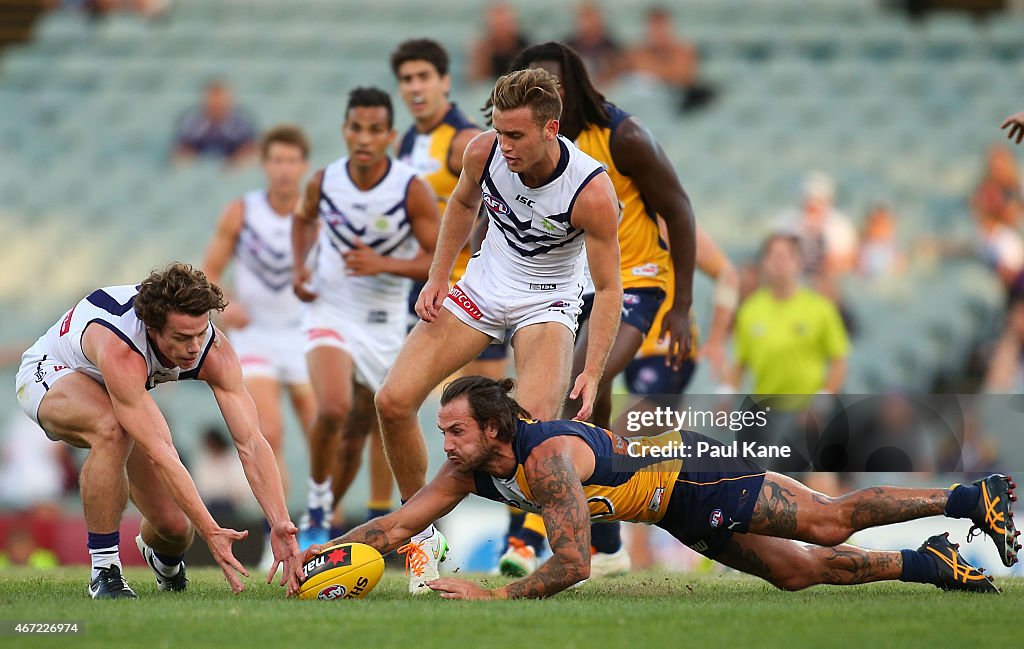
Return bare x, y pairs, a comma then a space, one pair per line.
651, 347
429, 154
627, 484
643, 256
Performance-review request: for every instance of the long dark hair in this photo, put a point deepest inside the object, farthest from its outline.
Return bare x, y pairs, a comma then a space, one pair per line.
489, 402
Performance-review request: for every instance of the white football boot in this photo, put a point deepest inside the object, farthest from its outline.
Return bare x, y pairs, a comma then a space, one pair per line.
520, 560
422, 559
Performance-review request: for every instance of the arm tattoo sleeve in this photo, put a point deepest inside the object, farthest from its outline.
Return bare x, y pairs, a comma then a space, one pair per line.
567, 518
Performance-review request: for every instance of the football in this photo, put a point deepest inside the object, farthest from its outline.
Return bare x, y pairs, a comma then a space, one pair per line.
342, 571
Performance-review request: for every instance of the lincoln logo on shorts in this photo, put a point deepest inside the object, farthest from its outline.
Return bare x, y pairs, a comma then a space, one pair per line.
716, 518
495, 204
460, 298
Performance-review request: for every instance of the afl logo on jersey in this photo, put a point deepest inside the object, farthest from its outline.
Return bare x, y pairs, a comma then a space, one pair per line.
716, 518
495, 204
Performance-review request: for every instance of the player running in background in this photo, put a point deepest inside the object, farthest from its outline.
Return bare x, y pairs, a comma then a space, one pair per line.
86, 381
265, 316
729, 509
377, 227
434, 146
647, 187
541, 195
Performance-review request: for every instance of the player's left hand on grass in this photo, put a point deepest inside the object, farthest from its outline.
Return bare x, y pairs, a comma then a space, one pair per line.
220, 542
675, 327
363, 260
450, 588
284, 543
585, 389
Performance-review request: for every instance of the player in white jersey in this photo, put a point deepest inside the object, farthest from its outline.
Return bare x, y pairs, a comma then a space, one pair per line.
264, 317
541, 195
85, 383
378, 224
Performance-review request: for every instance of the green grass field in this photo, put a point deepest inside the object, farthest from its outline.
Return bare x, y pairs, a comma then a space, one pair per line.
639, 611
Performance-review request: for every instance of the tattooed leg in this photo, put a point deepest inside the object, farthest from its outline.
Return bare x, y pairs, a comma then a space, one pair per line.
786, 508
791, 565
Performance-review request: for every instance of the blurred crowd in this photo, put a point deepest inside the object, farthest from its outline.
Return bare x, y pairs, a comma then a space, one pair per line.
793, 333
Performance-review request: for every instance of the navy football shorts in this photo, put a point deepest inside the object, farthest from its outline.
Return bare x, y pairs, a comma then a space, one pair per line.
639, 307
713, 499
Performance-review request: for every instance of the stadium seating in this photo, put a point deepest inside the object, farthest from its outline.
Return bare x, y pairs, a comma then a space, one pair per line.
891, 110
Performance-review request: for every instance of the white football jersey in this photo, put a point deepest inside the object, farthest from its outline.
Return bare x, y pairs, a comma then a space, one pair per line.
113, 307
530, 235
264, 272
379, 219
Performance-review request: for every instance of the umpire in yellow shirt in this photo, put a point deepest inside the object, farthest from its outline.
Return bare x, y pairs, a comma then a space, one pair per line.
790, 338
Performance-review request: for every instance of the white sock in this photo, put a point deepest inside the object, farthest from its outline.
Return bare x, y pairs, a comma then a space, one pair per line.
424, 535
104, 558
320, 495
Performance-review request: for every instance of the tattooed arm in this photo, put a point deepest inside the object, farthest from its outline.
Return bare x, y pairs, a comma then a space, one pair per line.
554, 473
553, 477
430, 503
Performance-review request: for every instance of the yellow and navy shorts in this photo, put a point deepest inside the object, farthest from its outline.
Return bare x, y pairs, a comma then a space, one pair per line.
639, 307
713, 499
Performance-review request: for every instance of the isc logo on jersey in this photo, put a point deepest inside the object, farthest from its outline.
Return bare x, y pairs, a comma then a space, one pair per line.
495, 204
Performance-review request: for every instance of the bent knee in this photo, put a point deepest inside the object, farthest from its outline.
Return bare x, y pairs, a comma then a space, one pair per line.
391, 403
109, 434
334, 412
828, 534
796, 574
792, 581
173, 527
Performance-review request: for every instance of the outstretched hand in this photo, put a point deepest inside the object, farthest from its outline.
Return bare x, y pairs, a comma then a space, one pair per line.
220, 543
285, 545
450, 588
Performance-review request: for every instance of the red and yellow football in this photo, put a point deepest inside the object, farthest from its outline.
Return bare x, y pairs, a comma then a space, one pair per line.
343, 571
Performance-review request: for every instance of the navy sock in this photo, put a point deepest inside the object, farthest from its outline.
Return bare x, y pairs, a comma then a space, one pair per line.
169, 559
918, 567
606, 537
316, 516
336, 531
532, 538
515, 524
376, 512
98, 541
962, 501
